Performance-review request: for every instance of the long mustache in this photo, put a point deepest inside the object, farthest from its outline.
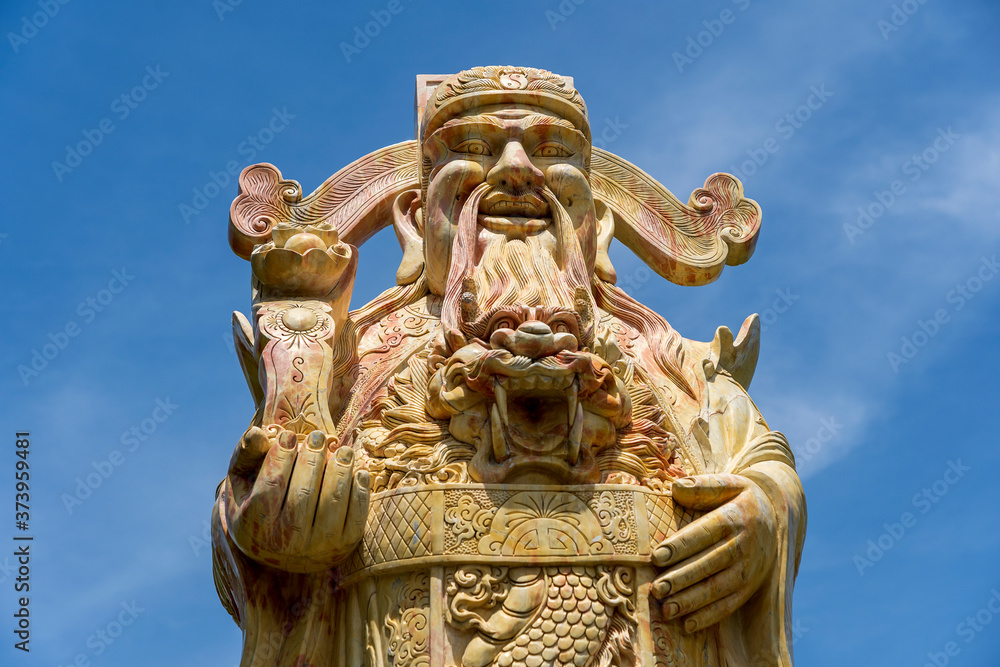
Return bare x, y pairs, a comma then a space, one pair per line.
569, 259
463, 251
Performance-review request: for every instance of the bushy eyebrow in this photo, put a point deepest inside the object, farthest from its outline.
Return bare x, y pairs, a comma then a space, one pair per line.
487, 125
540, 119
474, 120
527, 121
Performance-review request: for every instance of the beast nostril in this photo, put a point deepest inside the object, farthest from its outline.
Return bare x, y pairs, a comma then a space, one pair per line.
535, 328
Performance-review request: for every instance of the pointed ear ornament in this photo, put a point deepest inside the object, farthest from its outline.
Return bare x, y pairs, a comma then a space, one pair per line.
686, 244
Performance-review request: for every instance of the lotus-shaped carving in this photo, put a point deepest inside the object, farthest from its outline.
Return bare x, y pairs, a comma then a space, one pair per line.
304, 260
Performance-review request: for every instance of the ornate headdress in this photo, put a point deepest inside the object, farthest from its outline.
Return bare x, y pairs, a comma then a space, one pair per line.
688, 244
482, 86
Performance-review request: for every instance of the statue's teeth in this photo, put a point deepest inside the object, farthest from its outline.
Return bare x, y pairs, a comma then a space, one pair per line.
500, 451
501, 393
576, 436
571, 403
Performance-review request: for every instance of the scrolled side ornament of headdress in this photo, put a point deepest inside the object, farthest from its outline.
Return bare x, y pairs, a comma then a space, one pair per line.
688, 244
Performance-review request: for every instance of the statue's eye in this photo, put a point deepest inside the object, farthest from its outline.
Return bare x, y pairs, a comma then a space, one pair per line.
473, 147
552, 149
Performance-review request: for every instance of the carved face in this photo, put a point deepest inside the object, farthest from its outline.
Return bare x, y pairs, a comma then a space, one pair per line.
531, 161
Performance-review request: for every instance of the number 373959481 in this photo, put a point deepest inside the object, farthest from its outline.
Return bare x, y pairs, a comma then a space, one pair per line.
22, 476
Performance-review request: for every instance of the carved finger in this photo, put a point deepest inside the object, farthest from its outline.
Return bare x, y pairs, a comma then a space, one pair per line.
271, 485
715, 612
246, 460
357, 515
334, 496
702, 533
303, 491
267, 494
714, 588
696, 569
706, 492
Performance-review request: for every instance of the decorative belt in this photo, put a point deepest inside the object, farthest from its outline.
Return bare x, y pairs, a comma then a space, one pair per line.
421, 526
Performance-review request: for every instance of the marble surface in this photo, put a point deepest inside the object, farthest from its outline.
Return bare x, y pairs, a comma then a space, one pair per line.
504, 459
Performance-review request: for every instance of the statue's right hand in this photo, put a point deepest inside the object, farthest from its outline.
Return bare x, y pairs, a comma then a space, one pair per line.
297, 508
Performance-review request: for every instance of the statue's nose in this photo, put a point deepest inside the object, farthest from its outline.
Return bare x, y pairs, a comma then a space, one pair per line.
514, 170
533, 339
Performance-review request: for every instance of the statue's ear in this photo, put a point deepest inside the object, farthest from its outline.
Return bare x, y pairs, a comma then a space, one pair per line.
407, 219
605, 233
686, 244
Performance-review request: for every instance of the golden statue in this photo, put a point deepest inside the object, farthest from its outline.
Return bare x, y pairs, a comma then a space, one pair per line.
504, 460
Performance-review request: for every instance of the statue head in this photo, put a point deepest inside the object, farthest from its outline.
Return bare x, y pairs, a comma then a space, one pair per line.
505, 202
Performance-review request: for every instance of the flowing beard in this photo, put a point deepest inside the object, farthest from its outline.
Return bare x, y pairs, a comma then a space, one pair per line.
514, 271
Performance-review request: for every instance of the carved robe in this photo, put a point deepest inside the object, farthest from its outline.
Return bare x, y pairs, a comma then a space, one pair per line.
446, 563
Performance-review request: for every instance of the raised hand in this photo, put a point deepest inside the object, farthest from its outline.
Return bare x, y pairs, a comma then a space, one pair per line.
300, 508
717, 562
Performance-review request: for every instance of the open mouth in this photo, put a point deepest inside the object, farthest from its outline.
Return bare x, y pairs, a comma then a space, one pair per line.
547, 417
503, 213
537, 415
513, 224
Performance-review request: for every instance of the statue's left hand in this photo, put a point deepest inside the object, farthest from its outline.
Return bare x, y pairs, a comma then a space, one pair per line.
717, 562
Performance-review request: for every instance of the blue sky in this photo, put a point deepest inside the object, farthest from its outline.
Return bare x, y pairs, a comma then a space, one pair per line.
868, 131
